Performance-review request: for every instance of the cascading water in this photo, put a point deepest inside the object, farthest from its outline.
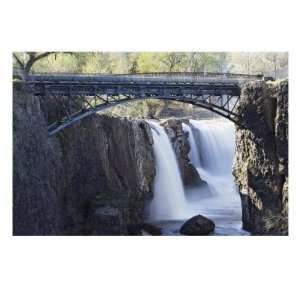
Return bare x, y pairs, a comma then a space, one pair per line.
212, 151
214, 142
169, 201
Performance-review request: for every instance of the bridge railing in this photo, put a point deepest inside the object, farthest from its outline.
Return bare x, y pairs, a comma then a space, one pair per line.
159, 76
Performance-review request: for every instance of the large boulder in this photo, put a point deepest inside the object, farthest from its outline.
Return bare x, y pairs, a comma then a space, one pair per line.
181, 146
197, 225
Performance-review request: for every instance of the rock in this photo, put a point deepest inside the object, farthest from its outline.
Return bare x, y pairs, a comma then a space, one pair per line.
276, 224
56, 178
151, 229
144, 229
261, 162
179, 140
107, 221
197, 225
37, 170
134, 229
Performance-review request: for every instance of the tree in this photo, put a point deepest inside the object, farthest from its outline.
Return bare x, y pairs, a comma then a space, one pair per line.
148, 62
132, 62
278, 61
96, 62
202, 62
174, 61
29, 58
222, 62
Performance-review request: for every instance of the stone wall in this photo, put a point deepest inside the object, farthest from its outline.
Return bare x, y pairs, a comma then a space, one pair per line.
59, 182
261, 162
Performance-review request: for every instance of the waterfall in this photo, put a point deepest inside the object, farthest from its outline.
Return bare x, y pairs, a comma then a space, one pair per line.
212, 151
169, 200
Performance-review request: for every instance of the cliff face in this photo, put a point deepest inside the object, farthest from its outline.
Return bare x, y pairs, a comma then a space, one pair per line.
99, 170
261, 162
37, 171
110, 159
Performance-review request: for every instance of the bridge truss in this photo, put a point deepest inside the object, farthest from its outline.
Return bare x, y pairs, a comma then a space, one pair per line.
77, 97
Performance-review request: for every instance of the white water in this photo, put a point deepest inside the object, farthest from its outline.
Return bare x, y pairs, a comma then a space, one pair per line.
212, 143
212, 151
215, 149
169, 201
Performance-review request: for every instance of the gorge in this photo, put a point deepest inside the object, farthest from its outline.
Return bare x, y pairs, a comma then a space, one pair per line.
110, 175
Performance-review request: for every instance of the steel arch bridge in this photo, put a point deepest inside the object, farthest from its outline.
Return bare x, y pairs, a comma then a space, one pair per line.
79, 96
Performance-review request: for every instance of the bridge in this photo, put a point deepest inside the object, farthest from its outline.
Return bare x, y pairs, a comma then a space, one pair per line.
79, 96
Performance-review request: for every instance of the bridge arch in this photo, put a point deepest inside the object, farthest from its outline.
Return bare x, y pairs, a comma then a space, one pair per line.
90, 110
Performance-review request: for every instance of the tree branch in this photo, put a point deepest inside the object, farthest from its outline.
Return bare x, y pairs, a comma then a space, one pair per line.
33, 57
18, 61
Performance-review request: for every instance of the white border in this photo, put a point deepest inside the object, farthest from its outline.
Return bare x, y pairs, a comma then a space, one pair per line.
151, 267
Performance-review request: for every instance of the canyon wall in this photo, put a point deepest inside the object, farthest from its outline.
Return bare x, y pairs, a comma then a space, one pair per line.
99, 171
261, 162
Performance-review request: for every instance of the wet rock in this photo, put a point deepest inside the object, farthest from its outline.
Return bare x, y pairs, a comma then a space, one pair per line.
261, 162
144, 229
151, 229
197, 225
179, 140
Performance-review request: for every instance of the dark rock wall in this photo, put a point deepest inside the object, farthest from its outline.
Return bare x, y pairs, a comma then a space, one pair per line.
60, 181
105, 155
37, 171
261, 162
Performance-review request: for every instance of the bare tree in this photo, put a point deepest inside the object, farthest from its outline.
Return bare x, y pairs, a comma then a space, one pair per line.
27, 63
173, 60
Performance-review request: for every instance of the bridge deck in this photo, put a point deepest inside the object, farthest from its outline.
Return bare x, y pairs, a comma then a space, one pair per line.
146, 83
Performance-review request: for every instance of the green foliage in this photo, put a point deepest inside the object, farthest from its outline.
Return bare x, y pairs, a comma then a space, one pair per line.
132, 62
173, 61
203, 62
148, 62
270, 63
61, 62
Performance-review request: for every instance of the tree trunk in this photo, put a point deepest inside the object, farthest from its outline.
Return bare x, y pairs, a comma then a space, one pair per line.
33, 57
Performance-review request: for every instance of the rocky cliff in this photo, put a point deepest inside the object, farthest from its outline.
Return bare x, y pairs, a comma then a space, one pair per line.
261, 163
38, 174
99, 171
